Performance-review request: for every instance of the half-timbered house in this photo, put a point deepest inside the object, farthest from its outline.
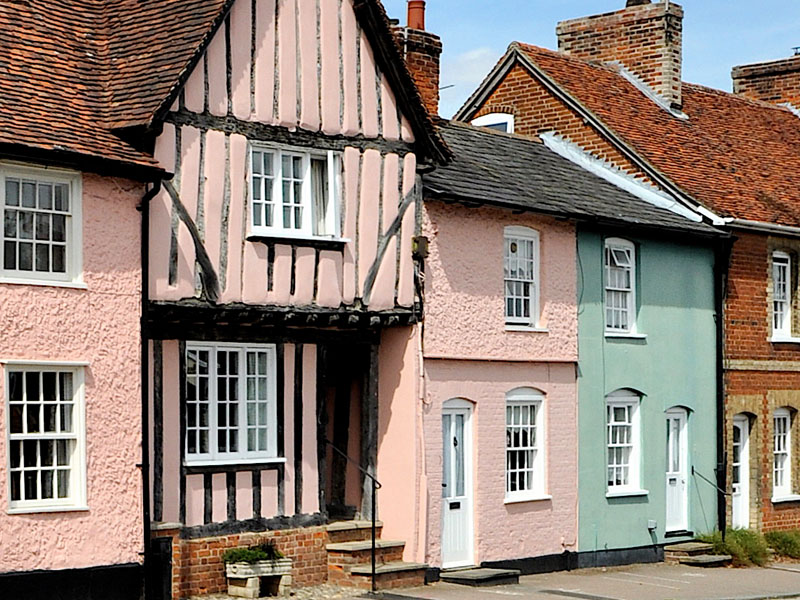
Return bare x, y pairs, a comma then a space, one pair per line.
283, 285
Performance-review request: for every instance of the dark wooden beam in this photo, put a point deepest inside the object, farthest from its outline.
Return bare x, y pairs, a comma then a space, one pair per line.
369, 431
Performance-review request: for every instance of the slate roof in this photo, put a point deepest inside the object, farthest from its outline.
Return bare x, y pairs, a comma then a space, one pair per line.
500, 169
74, 71
738, 157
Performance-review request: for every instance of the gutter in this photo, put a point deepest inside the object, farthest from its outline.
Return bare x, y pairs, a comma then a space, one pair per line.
748, 225
145, 373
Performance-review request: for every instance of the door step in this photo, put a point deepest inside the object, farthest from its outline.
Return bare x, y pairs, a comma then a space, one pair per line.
481, 577
706, 560
674, 552
352, 531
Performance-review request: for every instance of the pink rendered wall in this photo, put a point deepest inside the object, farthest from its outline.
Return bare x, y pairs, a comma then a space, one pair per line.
505, 531
99, 325
333, 97
464, 301
398, 453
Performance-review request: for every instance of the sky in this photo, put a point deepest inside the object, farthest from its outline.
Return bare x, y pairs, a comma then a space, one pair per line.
717, 35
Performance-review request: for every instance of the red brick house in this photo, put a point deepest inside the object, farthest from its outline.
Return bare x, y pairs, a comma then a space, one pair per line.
614, 89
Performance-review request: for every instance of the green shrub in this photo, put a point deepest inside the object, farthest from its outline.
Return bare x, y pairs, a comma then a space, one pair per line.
745, 546
785, 543
253, 554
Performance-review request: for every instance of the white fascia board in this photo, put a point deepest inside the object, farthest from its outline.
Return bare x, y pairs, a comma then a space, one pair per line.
573, 153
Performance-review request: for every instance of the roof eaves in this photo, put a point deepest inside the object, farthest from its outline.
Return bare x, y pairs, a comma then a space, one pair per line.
489, 84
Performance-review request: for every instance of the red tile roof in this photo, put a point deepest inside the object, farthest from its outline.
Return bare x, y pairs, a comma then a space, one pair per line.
51, 81
740, 158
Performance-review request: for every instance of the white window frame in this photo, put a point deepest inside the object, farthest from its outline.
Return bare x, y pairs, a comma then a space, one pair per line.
518, 234
242, 456
534, 400
782, 261
308, 230
76, 501
782, 453
492, 119
611, 245
72, 277
629, 400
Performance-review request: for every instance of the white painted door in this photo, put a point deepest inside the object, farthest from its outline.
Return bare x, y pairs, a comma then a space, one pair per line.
456, 485
677, 471
740, 505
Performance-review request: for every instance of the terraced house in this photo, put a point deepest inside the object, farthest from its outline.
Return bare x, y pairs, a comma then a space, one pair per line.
614, 91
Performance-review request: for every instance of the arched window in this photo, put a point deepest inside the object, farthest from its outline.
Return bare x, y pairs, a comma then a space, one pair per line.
623, 439
521, 276
620, 286
499, 121
525, 445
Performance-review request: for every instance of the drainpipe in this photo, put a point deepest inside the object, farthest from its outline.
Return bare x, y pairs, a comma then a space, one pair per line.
721, 263
144, 208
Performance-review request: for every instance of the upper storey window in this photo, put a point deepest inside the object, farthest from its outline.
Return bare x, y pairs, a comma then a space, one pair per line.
521, 274
41, 224
294, 193
781, 295
498, 121
620, 295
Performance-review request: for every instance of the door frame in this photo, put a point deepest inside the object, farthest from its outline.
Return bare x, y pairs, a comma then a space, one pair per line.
740, 420
683, 414
460, 406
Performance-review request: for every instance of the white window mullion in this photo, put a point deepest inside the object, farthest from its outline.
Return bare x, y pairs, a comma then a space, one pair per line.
781, 294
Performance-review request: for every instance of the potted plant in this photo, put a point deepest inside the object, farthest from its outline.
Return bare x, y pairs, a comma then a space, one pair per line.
245, 568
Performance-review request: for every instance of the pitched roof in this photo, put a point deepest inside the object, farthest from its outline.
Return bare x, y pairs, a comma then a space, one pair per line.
51, 86
500, 169
74, 71
738, 157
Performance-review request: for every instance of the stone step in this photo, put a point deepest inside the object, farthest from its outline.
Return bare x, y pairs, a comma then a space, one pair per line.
688, 548
481, 577
344, 556
390, 575
363, 545
352, 531
706, 560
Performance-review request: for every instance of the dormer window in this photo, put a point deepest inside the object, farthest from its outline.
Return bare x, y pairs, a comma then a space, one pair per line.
499, 121
294, 193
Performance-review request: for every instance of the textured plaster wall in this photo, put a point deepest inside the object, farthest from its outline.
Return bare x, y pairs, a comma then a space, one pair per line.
99, 325
464, 301
673, 366
505, 531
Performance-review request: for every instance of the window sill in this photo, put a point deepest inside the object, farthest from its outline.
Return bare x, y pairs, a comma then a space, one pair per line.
526, 328
75, 285
626, 493
27, 510
313, 241
523, 499
784, 340
243, 464
629, 336
789, 498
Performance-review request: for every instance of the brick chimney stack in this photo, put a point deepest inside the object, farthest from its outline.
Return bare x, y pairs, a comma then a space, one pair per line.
777, 81
422, 51
645, 37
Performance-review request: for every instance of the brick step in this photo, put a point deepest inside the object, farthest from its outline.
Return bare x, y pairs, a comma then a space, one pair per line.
674, 552
346, 555
352, 531
391, 575
480, 577
706, 560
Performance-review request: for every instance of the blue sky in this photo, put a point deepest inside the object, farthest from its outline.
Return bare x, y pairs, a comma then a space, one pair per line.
718, 34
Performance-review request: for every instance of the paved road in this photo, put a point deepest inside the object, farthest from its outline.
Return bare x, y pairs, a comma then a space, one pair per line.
637, 582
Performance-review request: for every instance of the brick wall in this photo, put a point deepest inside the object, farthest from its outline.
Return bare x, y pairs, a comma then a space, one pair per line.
422, 51
197, 567
777, 81
646, 39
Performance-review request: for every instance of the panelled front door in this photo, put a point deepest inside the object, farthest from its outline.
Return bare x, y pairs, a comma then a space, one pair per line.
456, 485
677, 467
740, 505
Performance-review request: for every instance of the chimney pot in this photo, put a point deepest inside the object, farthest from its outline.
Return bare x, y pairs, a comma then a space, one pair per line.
416, 14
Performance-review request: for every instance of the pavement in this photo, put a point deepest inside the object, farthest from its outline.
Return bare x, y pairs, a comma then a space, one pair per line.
636, 582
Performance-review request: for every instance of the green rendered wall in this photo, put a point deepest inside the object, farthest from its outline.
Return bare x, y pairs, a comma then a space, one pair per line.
673, 366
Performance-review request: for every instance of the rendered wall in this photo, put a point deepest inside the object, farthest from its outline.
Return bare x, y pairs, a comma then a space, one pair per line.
99, 325
673, 366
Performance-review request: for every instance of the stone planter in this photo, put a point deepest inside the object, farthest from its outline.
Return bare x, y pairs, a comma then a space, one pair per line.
245, 579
